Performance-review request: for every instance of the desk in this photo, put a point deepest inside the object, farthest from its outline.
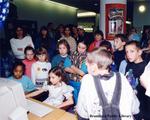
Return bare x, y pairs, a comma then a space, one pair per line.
68, 116
56, 114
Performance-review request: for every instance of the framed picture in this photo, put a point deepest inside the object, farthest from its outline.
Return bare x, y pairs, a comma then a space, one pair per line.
115, 20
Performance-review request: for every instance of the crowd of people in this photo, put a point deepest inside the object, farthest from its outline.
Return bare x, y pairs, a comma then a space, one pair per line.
72, 69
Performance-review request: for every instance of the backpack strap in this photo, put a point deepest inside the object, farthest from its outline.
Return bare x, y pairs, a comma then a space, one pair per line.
116, 94
117, 91
100, 92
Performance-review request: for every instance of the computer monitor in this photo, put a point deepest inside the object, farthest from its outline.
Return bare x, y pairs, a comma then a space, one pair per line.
11, 97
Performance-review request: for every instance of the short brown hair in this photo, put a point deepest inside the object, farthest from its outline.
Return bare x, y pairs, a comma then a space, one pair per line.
65, 43
135, 43
122, 37
41, 51
101, 57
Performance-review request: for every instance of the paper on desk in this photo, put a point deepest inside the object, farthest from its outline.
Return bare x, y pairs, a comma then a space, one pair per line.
38, 109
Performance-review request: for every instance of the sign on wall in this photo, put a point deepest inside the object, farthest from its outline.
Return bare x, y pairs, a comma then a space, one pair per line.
115, 20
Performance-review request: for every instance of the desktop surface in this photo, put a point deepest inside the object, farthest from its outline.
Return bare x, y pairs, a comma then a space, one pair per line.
56, 114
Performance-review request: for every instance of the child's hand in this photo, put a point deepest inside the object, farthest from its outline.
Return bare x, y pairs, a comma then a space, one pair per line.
144, 79
35, 93
20, 49
45, 86
58, 106
135, 91
75, 109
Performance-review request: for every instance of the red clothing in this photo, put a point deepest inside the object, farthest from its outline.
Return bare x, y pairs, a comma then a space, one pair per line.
28, 64
93, 45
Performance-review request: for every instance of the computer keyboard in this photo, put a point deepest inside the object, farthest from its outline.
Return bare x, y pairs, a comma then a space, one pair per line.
38, 109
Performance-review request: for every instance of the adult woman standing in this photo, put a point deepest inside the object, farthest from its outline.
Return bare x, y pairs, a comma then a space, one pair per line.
44, 40
71, 41
19, 42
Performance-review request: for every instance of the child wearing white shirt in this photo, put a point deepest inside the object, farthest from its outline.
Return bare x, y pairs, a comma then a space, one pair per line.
19, 42
39, 69
100, 104
60, 94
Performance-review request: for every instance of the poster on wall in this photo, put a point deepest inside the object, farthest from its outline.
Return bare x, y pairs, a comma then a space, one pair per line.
115, 20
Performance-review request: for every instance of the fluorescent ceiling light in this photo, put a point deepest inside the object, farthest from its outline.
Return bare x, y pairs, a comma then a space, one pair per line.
128, 22
57, 3
86, 14
88, 29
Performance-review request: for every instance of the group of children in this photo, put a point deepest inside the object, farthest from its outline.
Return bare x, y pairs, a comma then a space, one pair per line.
38, 75
105, 94
130, 60
51, 77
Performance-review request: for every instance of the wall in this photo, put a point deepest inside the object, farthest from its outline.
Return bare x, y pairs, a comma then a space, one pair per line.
1, 31
44, 11
97, 20
140, 19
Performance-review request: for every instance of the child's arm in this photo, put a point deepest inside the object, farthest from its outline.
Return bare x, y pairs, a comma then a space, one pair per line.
144, 79
67, 66
77, 70
54, 61
33, 73
80, 71
29, 86
145, 49
68, 102
69, 70
34, 93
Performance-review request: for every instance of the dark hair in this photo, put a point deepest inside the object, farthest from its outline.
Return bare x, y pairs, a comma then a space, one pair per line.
136, 43
133, 29
58, 71
106, 44
28, 48
67, 27
16, 64
99, 32
23, 29
49, 24
60, 25
83, 42
72, 31
41, 51
43, 28
74, 26
64, 42
123, 37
